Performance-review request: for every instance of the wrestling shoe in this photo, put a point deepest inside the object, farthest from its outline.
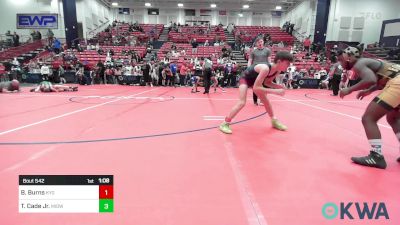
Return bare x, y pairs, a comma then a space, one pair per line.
74, 88
224, 127
372, 160
278, 125
398, 160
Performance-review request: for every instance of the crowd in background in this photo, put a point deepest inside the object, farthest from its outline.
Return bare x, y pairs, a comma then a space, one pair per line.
152, 71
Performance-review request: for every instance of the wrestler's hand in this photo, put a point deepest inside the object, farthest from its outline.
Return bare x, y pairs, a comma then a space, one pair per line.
344, 92
362, 94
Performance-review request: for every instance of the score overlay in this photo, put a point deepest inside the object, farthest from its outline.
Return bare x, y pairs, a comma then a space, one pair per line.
66, 194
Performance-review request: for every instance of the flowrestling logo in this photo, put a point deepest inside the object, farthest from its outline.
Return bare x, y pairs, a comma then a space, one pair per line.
355, 210
37, 21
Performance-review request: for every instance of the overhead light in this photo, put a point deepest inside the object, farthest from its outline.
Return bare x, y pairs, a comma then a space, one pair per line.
278, 7
147, 4
180, 4
213, 5
246, 6
114, 4
240, 15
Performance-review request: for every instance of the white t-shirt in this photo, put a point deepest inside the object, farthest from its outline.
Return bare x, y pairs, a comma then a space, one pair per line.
137, 71
128, 70
45, 70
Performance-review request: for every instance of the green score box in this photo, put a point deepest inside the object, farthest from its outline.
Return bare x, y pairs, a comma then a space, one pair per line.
106, 205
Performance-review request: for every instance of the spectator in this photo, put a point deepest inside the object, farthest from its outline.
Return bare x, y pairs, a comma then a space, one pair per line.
16, 39
206, 43
9, 37
15, 62
168, 76
335, 75
137, 73
39, 35
307, 44
109, 74
61, 73
194, 45
45, 71
33, 35
303, 73
173, 68
311, 71
291, 28
50, 37
173, 47
154, 74
290, 71
100, 69
146, 68
182, 74
57, 46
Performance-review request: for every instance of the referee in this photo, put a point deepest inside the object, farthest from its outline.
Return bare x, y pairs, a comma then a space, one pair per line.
207, 70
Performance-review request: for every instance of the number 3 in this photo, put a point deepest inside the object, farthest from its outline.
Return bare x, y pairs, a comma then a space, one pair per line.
106, 206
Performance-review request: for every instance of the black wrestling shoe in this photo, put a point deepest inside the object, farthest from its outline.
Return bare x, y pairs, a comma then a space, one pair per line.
398, 160
74, 88
372, 160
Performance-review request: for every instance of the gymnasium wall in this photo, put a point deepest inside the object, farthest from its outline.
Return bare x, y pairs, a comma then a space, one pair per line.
93, 15
10, 8
303, 16
359, 20
178, 15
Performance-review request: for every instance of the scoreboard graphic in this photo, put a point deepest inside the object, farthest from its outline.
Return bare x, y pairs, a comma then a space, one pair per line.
66, 194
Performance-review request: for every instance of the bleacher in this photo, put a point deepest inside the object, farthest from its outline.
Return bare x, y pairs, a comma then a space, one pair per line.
147, 29
197, 32
202, 51
248, 33
20, 51
380, 53
91, 57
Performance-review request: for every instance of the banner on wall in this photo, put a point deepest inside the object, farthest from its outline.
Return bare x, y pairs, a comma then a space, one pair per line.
37, 21
276, 13
222, 13
205, 12
153, 12
126, 11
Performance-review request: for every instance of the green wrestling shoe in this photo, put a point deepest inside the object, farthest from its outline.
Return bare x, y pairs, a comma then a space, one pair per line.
278, 125
224, 127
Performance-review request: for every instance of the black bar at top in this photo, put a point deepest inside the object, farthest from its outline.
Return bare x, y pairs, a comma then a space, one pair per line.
66, 179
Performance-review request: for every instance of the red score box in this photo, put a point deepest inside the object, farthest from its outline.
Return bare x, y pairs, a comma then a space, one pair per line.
106, 192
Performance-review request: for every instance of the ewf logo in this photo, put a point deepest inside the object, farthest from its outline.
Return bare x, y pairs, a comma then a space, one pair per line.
28, 21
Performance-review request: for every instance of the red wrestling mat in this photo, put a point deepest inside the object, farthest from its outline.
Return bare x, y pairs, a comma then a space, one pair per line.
171, 164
